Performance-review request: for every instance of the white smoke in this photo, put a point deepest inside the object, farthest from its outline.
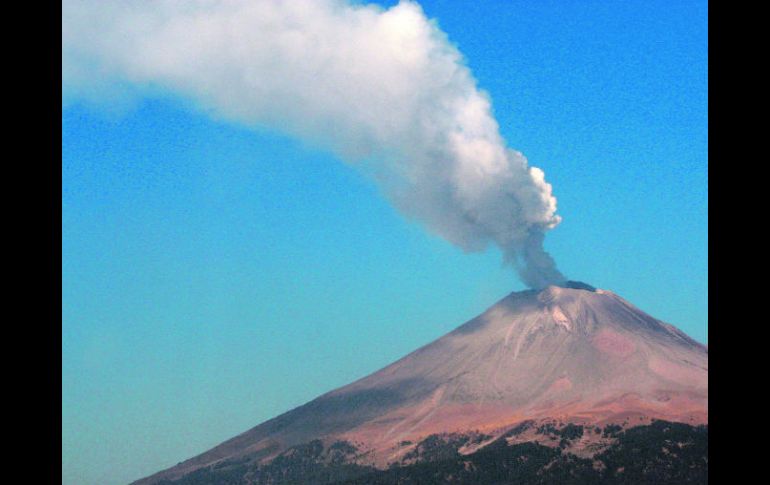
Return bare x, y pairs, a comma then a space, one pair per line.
381, 88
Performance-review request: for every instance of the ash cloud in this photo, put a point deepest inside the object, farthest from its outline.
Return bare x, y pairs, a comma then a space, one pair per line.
382, 89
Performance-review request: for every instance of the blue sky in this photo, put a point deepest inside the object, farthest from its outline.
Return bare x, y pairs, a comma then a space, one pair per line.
214, 276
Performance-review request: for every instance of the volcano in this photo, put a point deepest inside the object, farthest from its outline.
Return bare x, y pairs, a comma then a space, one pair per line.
534, 364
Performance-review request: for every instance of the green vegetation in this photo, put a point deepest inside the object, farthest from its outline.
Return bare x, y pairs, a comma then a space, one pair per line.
661, 453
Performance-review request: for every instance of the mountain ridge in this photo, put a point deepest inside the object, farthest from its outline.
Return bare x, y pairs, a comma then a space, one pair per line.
571, 352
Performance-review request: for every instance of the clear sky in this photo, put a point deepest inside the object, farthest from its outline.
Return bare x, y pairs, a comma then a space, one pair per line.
214, 276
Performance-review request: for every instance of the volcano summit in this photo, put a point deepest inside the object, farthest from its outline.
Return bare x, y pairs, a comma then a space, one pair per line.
572, 372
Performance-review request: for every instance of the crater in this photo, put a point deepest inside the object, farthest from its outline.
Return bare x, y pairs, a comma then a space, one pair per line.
578, 285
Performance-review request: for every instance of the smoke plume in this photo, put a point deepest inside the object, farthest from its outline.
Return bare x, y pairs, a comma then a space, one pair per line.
383, 89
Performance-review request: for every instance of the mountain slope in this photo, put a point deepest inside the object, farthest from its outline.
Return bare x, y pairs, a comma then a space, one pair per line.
570, 353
